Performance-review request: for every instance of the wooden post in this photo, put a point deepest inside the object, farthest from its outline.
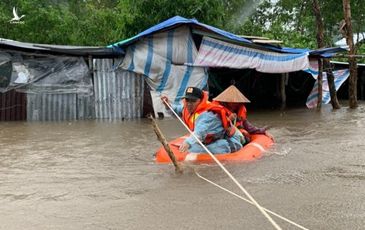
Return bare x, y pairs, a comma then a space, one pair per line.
164, 143
91, 67
320, 84
362, 81
284, 78
331, 84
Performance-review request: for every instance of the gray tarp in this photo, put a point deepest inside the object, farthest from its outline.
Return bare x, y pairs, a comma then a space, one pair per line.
47, 74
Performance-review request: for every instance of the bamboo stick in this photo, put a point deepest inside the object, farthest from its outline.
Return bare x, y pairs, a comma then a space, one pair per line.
164, 143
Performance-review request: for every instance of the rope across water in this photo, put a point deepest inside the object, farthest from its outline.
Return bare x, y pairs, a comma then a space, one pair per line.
236, 195
261, 209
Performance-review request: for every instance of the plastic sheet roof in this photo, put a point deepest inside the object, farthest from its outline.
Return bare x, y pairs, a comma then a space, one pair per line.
58, 49
227, 36
176, 21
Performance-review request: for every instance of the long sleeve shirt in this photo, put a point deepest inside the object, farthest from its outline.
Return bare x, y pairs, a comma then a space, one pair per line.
210, 123
206, 123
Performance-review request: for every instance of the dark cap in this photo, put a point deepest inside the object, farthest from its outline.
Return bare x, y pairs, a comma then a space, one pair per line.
193, 93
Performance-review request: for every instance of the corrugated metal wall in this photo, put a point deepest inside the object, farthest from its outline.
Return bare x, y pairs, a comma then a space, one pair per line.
12, 106
85, 107
59, 107
51, 107
118, 94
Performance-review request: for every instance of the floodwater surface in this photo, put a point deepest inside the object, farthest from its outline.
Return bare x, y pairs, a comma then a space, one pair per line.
101, 175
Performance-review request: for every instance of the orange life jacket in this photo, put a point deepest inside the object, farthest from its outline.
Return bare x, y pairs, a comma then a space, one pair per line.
206, 106
241, 118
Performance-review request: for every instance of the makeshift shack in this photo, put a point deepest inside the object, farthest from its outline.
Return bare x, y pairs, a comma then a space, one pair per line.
181, 52
40, 82
126, 79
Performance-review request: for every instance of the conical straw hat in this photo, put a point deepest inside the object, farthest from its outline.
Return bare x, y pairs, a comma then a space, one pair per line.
231, 94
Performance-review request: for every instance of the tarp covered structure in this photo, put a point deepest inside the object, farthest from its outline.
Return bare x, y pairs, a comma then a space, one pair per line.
46, 74
162, 59
340, 77
171, 58
45, 68
216, 53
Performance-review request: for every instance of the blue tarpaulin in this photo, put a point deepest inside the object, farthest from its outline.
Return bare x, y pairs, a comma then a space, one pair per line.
167, 56
175, 21
178, 20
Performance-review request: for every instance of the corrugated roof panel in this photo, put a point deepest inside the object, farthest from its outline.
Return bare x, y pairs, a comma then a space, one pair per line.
95, 51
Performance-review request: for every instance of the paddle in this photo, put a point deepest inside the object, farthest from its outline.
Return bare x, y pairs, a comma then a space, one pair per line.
164, 143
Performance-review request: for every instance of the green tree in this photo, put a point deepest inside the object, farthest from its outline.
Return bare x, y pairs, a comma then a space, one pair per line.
91, 22
140, 15
62, 22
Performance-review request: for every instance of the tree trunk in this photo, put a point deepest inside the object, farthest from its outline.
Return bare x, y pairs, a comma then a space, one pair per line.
352, 60
326, 63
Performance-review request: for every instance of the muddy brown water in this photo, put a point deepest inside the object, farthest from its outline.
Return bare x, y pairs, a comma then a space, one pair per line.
101, 175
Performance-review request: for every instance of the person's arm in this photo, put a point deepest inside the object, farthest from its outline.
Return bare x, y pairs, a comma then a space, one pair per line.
251, 129
178, 108
207, 122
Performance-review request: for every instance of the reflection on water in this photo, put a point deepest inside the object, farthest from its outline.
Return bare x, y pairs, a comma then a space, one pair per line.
101, 175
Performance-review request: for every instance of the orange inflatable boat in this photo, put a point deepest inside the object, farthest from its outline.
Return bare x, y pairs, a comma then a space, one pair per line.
259, 143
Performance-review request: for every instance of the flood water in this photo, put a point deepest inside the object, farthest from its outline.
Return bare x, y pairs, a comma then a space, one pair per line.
101, 175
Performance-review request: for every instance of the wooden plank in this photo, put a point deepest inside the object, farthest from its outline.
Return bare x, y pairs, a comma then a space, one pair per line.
253, 37
267, 41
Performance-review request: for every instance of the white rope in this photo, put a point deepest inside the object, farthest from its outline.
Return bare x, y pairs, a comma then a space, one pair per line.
248, 201
226, 171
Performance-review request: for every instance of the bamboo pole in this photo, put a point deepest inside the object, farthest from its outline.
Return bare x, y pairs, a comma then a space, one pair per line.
166, 146
320, 84
283, 79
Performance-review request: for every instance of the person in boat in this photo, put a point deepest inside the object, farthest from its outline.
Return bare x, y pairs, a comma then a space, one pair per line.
209, 123
232, 99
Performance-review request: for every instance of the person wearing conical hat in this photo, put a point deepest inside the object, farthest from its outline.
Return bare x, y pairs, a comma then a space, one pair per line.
207, 121
233, 100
